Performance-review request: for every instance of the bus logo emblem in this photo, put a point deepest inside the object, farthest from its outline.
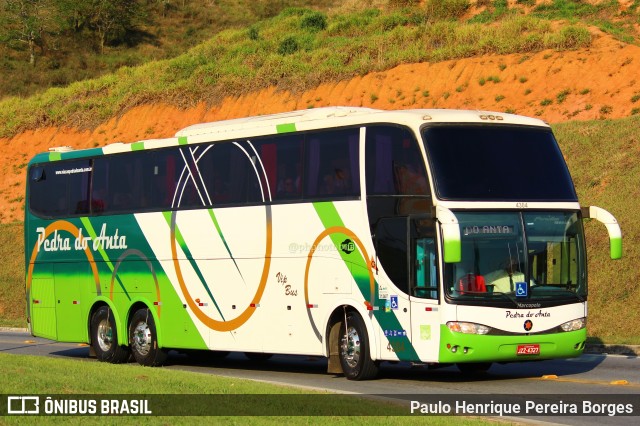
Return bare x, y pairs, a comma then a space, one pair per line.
528, 325
347, 246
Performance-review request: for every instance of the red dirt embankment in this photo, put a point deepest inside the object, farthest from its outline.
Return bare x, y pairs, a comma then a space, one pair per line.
598, 82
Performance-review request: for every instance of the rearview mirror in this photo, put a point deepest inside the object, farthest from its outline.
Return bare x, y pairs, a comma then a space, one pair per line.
615, 233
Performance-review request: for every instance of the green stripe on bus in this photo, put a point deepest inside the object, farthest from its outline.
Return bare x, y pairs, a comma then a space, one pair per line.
137, 146
92, 233
182, 140
185, 249
214, 219
359, 267
286, 128
55, 156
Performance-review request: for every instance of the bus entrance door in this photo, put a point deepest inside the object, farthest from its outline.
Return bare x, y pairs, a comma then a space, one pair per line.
42, 303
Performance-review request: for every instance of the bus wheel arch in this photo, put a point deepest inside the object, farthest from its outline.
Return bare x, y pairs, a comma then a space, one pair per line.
349, 346
104, 335
143, 337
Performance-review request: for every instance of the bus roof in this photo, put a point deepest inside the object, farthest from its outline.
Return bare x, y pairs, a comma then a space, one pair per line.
301, 120
354, 115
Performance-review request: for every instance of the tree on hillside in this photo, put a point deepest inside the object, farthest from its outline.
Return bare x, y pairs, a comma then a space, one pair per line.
111, 19
73, 15
25, 23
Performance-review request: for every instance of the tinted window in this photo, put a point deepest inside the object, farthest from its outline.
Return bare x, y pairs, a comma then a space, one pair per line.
332, 164
282, 157
394, 163
222, 173
497, 163
287, 167
62, 188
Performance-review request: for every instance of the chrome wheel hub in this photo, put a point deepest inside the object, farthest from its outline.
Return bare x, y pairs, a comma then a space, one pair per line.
105, 336
351, 347
141, 339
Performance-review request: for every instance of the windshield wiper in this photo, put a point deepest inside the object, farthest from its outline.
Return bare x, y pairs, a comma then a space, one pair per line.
556, 293
509, 296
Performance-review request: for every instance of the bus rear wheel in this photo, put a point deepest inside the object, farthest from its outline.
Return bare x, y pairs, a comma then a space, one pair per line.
104, 337
143, 338
354, 350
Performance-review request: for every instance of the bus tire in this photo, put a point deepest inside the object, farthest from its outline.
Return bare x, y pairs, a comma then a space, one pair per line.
104, 337
143, 339
355, 356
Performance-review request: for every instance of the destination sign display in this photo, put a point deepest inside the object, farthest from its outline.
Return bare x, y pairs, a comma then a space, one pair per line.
488, 230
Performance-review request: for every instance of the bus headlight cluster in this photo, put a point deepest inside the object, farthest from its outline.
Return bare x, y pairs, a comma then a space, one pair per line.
468, 327
574, 325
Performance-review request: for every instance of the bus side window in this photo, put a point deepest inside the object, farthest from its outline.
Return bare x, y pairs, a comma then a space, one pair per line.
426, 284
332, 167
391, 248
78, 186
394, 163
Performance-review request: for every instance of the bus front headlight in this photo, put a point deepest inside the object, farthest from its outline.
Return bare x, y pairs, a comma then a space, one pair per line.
468, 327
574, 325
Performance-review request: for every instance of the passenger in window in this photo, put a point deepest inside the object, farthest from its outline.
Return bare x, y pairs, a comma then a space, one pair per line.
289, 188
337, 182
503, 280
289, 184
410, 180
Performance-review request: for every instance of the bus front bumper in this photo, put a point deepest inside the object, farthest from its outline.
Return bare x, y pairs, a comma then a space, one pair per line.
460, 347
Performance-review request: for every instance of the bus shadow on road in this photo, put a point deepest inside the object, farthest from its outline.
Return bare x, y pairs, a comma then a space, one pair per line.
389, 370
301, 364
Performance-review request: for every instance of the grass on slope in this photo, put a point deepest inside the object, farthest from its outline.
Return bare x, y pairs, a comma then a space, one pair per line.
603, 160
295, 50
12, 287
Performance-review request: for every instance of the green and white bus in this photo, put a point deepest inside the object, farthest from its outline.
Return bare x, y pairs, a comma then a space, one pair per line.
360, 235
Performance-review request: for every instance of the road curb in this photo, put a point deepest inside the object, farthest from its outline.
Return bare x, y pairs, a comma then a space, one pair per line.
603, 348
14, 329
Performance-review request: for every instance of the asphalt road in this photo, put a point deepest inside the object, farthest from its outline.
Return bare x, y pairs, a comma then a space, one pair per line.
552, 381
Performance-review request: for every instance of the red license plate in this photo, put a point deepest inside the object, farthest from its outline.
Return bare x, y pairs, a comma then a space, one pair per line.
528, 350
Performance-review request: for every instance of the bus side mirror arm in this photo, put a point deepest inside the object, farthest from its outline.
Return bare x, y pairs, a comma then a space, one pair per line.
450, 234
615, 233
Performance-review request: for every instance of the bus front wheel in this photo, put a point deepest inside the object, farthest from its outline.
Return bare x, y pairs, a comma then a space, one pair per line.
354, 350
143, 338
104, 337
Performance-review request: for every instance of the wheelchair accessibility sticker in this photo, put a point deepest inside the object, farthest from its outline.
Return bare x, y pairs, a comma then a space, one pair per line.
522, 290
394, 302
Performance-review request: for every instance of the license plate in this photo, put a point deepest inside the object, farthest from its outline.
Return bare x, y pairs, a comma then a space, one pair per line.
528, 350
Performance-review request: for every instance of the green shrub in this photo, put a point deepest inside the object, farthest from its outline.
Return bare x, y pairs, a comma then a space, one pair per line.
253, 33
562, 96
314, 21
571, 37
288, 46
447, 9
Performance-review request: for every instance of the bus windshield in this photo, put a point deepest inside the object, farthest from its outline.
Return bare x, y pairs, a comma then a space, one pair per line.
519, 256
497, 163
